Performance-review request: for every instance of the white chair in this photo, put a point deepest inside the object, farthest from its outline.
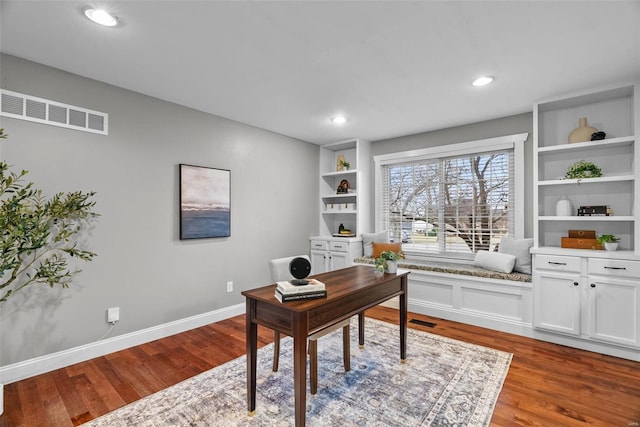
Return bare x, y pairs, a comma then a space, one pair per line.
280, 272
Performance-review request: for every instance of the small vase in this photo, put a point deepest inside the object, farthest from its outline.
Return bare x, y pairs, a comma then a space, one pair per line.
563, 207
583, 132
392, 267
610, 246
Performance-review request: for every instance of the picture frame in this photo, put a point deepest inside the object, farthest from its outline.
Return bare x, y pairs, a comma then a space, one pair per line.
205, 202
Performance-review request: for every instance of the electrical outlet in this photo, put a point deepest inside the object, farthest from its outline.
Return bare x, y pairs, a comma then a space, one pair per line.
113, 315
229, 286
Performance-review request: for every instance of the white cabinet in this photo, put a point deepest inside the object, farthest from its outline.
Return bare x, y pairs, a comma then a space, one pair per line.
592, 298
350, 208
556, 294
614, 301
614, 111
333, 253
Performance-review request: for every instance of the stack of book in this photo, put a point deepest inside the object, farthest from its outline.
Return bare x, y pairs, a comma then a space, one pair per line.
601, 210
286, 291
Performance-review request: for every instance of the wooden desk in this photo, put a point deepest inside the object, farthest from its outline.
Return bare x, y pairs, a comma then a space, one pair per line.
350, 291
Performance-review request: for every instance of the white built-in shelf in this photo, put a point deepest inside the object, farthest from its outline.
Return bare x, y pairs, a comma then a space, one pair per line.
340, 173
581, 181
339, 196
603, 143
339, 212
612, 218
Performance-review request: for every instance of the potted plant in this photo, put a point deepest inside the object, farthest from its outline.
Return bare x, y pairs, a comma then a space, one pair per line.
346, 165
39, 235
391, 259
609, 241
583, 169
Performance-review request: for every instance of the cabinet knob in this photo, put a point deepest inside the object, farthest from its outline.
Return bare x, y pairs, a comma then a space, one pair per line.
575, 283
593, 285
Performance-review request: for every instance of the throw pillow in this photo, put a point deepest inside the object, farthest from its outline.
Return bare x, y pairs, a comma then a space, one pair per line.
369, 238
520, 249
495, 261
378, 248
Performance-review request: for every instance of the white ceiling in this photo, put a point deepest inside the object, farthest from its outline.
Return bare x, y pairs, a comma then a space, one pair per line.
393, 67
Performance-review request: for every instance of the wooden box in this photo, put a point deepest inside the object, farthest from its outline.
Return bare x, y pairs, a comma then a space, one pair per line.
582, 234
576, 243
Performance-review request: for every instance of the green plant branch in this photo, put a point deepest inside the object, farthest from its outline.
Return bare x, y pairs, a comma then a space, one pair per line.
37, 236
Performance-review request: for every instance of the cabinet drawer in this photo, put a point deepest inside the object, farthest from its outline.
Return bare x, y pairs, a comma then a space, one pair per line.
339, 246
319, 245
614, 267
557, 263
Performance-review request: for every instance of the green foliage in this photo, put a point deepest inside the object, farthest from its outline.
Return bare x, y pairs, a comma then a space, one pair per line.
391, 256
38, 235
583, 169
607, 238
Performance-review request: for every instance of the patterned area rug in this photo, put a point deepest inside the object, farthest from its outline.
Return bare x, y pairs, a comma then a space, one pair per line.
444, 382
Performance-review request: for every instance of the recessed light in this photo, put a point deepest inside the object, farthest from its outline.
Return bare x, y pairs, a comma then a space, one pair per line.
338, 120
101, 17
482, 81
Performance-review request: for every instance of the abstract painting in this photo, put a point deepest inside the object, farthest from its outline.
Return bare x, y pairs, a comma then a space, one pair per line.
205, 202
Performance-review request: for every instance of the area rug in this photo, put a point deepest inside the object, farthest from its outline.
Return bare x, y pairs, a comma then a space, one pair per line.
444, 382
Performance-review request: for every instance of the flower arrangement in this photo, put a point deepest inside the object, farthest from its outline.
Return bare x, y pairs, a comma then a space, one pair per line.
583, 169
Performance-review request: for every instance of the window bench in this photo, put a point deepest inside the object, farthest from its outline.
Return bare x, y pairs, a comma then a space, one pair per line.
469, 294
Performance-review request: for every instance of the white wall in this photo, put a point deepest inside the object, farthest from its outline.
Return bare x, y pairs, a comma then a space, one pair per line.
142, 266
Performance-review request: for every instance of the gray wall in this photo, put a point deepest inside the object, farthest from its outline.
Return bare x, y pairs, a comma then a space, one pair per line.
142, 266
489, 129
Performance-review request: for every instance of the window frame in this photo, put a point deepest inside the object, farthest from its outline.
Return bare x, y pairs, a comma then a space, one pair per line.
507, 142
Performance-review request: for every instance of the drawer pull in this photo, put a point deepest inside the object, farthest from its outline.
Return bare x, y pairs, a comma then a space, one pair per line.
557, 263
615, 268
575, 283
593, 285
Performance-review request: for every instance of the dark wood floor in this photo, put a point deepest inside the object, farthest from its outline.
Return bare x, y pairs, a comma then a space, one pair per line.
547, 384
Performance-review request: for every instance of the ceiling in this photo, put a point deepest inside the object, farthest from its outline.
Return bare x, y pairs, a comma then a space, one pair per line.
392, 67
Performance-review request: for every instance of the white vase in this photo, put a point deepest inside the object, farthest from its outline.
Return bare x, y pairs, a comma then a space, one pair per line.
392, 267
611, 246
563, 207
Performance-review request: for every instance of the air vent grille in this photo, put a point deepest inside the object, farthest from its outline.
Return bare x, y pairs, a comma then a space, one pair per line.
31, 108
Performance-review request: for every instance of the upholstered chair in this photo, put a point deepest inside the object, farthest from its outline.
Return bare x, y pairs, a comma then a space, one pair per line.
280, 272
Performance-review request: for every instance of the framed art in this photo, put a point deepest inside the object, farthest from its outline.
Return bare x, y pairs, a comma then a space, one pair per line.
205, 202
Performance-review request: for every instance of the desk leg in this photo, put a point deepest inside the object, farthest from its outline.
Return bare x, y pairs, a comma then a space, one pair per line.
361, 329
252, 356
403, 321
300, 329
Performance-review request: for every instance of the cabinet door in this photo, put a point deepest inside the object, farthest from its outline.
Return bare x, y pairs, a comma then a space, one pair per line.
319, 261
613, 310
339, 260
557, 302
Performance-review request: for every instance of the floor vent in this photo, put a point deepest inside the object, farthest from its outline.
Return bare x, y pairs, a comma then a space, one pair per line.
33, 109
423, 323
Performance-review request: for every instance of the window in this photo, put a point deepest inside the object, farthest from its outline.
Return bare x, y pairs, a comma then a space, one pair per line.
452, 200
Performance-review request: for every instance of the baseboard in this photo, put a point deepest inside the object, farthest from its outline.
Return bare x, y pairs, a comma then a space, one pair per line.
39, 365
484, 320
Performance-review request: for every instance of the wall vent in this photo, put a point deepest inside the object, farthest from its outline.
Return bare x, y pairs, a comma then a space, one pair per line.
33, 109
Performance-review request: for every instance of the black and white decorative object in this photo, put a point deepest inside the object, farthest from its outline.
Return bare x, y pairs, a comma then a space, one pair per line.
299, 268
